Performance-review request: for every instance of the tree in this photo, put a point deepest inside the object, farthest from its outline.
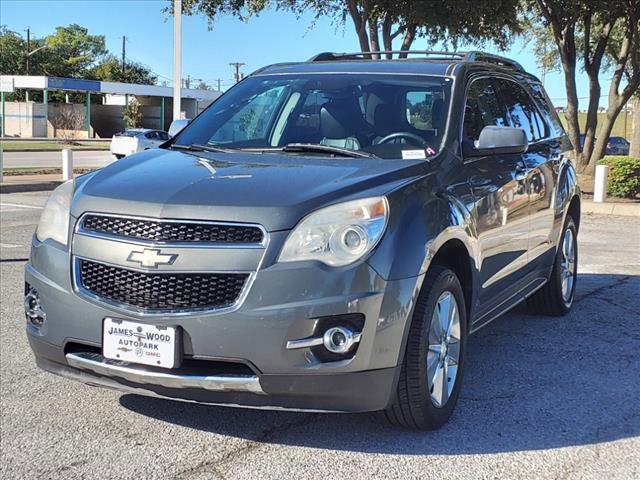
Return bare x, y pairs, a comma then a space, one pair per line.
109, 69
132, 114
585, 33
12, 51
71, 52
202, 85
388, 20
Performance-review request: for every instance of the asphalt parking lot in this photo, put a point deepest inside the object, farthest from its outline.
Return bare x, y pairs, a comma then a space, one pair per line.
543, 398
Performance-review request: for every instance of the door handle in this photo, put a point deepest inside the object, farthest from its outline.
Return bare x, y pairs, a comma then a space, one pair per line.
480, 181
521, 173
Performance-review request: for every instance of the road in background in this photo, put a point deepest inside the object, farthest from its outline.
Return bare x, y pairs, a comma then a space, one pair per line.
543, 398
81, 158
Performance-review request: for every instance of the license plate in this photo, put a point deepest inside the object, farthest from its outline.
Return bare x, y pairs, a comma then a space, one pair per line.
139, 343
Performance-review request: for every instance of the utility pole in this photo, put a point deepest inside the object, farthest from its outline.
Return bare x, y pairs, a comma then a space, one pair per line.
219, 83
188, 81
177, 58
28, 50
124, 53
26, 94
237, 66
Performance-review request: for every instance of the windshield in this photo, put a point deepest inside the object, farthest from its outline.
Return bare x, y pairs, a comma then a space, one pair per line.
381, 115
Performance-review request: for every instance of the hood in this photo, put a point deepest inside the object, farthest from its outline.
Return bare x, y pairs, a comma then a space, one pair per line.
275, 190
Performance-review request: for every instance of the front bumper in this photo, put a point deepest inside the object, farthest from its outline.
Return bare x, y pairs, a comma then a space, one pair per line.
345, 392
283, 304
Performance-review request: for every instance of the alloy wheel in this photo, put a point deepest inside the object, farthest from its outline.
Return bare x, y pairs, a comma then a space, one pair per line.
568, 265
443, 355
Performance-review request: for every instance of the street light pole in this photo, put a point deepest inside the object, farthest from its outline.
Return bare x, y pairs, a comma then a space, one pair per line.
177, 58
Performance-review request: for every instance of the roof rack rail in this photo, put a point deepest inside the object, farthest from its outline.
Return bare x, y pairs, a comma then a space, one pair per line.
328, 56
474, 56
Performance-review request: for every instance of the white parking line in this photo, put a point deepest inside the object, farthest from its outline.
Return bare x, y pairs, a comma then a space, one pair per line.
20, 206
9, 245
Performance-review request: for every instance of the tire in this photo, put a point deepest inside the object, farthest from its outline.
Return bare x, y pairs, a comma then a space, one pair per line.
552, 299
413, 406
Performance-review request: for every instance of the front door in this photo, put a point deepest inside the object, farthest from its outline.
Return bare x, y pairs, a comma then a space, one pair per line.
499, 185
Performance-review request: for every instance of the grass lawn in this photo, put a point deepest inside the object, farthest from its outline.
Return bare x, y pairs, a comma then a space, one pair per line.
618, 127
51, 146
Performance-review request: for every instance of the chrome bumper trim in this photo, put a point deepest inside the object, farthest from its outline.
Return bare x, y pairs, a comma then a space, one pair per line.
315, 341
218, 383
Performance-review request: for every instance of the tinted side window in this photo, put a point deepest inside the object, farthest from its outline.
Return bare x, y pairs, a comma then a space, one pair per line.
522, 111
547, 110
481, 110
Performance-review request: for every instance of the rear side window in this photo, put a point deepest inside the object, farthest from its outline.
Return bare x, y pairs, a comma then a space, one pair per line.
547, 110
481, 110
522, 110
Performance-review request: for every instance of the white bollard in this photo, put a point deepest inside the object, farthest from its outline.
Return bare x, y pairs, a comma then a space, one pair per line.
67, 164
600, 184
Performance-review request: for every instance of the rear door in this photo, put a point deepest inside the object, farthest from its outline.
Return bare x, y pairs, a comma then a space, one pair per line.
498, 183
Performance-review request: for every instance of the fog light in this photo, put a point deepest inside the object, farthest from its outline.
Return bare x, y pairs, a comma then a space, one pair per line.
338, 339
33, 309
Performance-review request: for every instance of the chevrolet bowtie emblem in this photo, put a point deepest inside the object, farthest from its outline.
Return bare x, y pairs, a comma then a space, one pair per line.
151, 258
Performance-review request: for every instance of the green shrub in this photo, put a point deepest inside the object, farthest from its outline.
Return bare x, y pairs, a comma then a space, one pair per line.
624, 176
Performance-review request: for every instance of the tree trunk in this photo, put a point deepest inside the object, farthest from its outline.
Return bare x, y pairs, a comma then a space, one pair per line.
592, 116
360, 24
635, 132
387, 39
568, 59
603, 138
374, 38
407, 41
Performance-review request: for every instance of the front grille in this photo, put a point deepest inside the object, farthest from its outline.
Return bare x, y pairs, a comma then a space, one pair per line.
161, 291
173, 231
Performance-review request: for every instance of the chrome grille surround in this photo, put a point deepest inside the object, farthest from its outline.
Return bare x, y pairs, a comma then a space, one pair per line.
257, 252
159, 231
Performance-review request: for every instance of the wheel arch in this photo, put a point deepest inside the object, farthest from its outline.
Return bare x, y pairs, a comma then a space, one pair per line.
454, 255
574, 210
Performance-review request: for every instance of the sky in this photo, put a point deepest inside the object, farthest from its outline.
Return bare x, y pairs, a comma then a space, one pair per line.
268, 38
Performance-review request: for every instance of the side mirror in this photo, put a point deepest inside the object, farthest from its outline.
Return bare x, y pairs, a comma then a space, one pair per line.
498, 141
178, 125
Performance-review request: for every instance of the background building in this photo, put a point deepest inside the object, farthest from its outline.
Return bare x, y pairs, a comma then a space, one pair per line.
100, 115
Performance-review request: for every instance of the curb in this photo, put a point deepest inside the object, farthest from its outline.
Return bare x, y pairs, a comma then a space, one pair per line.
29, 187
609, 208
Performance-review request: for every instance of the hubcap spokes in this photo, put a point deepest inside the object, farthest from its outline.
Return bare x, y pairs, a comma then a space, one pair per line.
443, 354
567, 265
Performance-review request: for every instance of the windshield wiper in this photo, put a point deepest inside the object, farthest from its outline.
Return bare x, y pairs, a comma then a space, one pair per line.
314, 148
196, 147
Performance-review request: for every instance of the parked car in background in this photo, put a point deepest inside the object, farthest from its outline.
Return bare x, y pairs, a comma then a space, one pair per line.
617, 146
178, 125
135, 140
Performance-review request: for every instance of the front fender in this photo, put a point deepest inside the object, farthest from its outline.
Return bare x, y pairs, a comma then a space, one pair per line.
420, 222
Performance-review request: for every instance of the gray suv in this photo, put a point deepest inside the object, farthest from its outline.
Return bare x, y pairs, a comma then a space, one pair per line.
324, 237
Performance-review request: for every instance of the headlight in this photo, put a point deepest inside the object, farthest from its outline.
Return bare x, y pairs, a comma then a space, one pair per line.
338, 235
54, 222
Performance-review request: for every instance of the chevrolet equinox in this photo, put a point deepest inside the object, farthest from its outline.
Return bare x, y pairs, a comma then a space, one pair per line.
324, 237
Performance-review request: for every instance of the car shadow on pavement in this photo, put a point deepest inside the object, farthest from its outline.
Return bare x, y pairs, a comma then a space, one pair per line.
531, 383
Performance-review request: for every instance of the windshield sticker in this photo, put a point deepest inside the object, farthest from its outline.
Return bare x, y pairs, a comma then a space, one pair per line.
414, 154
